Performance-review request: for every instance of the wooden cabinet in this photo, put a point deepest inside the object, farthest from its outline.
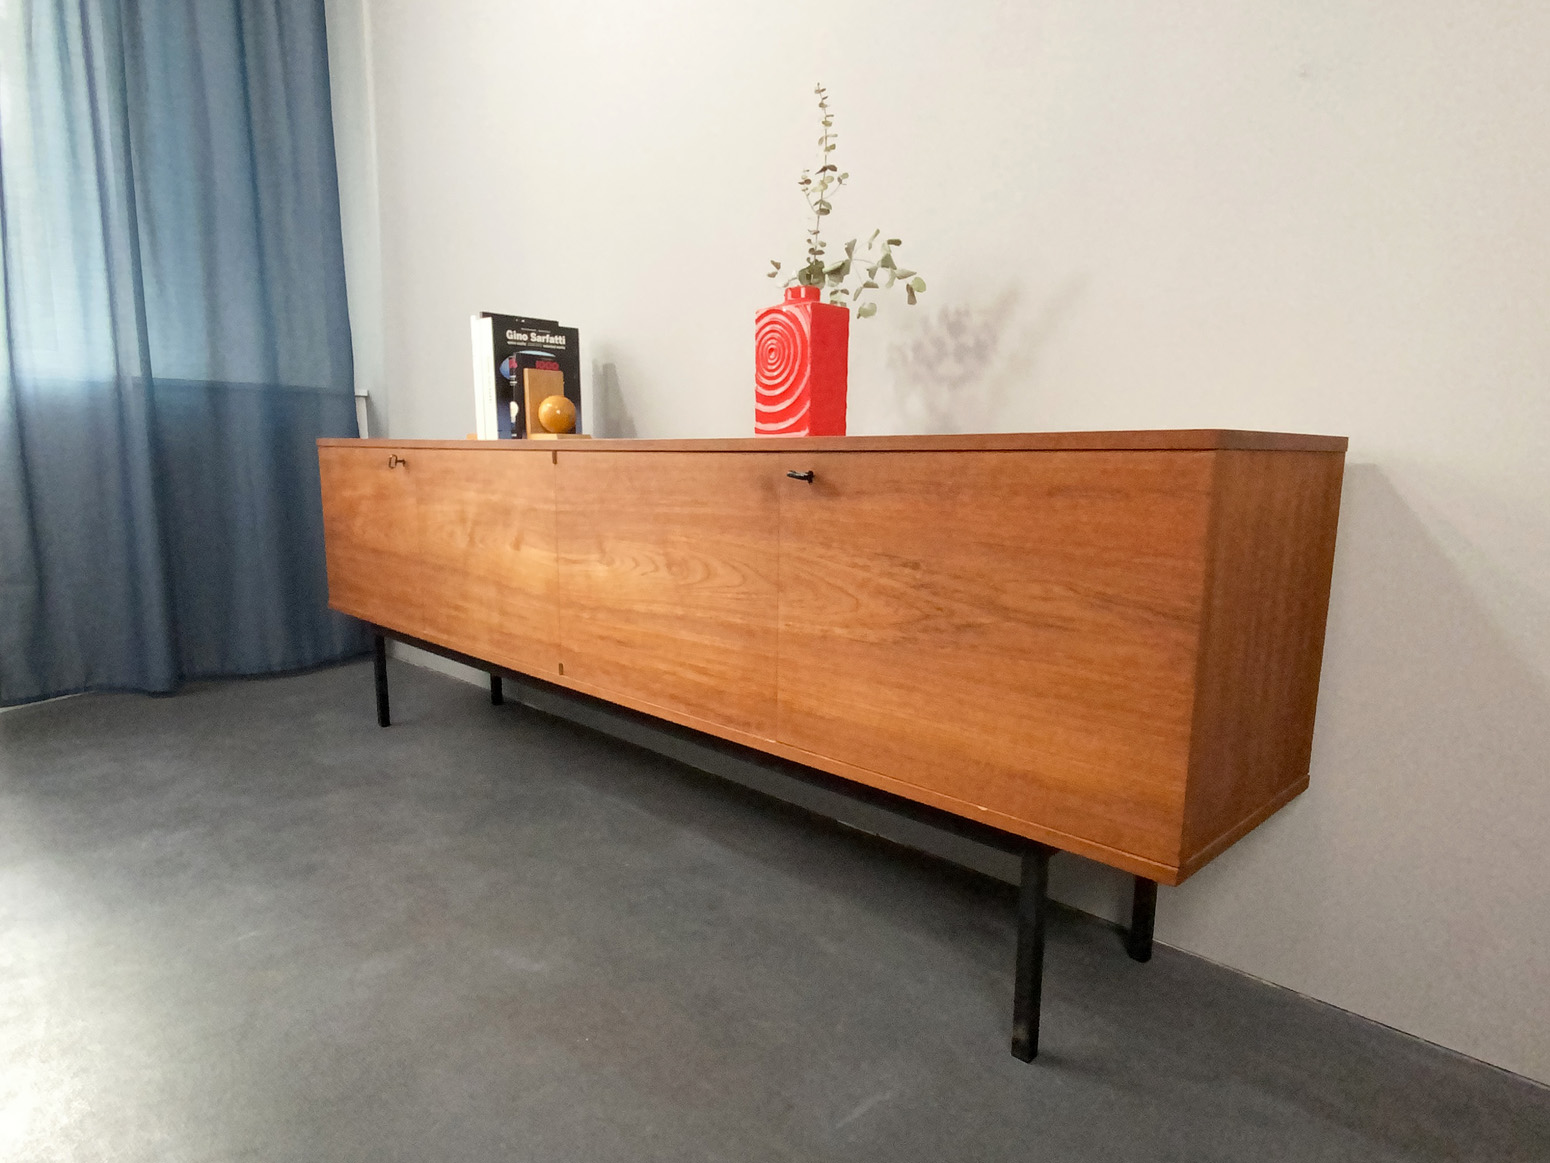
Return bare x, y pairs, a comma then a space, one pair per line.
667, 566
1107, 642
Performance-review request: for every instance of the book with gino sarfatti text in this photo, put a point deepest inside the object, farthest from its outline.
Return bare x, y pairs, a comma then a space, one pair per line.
504, 347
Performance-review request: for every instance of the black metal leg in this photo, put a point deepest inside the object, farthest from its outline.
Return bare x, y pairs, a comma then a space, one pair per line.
1143, 914
1029, 985
379, 659
497, 694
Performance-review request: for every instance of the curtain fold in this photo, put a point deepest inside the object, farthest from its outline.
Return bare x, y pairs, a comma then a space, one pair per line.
173, 339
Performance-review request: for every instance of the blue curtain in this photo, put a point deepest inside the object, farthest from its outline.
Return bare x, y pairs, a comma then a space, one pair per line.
173, 339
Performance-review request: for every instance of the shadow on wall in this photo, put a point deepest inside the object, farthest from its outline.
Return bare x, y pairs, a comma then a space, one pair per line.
1409, 882
955, 369
613, 417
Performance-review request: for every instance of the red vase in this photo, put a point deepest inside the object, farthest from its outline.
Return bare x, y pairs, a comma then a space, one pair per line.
802, 349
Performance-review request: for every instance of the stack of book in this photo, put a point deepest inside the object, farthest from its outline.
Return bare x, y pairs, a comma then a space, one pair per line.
517, 363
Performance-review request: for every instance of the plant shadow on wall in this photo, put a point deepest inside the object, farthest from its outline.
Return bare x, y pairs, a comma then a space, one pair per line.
958, 369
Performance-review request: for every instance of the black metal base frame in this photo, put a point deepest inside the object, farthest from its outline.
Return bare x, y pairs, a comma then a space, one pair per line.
1033, 892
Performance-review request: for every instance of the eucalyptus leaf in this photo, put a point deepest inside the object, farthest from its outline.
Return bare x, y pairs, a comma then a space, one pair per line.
834, 279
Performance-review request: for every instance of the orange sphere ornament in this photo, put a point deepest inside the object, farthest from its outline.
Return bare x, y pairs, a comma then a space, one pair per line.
557, 414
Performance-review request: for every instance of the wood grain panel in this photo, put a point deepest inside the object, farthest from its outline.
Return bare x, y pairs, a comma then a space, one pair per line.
667, 579
1129, 862
486, 529
1015, 630
1262, 641
370, 533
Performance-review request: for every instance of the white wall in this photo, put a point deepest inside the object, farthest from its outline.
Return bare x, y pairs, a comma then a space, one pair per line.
1323, 217
353, 90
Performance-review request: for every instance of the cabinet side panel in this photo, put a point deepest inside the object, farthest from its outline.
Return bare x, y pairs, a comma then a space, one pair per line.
370, 537
488, 555
1272, 555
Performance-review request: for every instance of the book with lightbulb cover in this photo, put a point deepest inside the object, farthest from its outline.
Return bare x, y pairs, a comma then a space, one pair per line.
504, 346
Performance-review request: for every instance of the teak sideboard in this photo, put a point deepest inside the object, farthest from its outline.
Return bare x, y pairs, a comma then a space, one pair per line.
1106, 643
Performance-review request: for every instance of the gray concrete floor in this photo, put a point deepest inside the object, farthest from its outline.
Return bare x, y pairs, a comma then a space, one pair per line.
245, 923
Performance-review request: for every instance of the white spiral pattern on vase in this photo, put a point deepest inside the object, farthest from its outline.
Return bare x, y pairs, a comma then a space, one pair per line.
783, 365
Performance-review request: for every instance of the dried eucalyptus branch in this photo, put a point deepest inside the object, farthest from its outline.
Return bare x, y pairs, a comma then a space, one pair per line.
852, 281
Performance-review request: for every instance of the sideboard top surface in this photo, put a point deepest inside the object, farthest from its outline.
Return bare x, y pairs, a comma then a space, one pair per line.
1158, 440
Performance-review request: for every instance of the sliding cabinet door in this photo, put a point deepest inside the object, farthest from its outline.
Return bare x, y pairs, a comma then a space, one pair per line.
667, 571
486, 534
